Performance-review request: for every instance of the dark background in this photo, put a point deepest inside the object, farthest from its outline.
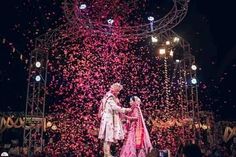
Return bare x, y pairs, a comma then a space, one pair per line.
209, 27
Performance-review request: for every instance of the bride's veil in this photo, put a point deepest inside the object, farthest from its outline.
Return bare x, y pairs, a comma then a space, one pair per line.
147, 142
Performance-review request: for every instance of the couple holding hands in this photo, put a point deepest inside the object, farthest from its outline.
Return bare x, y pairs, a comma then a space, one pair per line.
137, 142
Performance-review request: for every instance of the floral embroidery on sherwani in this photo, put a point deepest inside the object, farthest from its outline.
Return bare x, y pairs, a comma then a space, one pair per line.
111, 128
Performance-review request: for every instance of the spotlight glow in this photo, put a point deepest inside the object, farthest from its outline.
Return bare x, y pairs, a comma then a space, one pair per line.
150, 18
194, 81
194, 67
83, 6
176, 39
177, 60
167, 42
162, 51
38, 64
37, 78
154, 39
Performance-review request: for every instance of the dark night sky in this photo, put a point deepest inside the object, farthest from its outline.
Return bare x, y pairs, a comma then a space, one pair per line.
209, 27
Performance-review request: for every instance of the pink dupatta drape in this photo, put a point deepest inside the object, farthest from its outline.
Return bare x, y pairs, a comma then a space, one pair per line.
146, 139
138, 142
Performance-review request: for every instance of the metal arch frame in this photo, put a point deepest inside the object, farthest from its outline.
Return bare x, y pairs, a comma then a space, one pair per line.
36, 91
172, 19
35, 101
190, 102
162, 26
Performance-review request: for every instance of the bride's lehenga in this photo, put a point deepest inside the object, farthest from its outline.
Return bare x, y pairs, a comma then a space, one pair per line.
138, 142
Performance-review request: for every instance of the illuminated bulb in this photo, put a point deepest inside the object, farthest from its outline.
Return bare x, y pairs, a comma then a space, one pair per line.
194, 67
176, 39
194, 81
154, 39
110, 21
150, 18
171, 53
4, 154
49, 124
38, 64
167, 42
82, 6
162, 51
204, 127
37, 78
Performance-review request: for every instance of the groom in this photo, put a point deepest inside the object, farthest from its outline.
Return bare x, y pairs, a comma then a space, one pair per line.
111, 128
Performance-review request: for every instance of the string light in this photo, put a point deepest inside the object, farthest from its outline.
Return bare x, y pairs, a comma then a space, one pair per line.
171, 53
167, 42
162, 51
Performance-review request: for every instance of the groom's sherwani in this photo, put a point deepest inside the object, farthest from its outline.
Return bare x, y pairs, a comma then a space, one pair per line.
111, 128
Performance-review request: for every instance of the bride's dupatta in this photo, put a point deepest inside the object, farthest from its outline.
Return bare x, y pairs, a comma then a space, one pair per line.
139, 132
142, 135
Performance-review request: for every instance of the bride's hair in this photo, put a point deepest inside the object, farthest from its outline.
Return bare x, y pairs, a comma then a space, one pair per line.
132, 98
135, 98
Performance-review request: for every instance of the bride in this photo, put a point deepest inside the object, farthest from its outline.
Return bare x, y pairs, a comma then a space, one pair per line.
138, 142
